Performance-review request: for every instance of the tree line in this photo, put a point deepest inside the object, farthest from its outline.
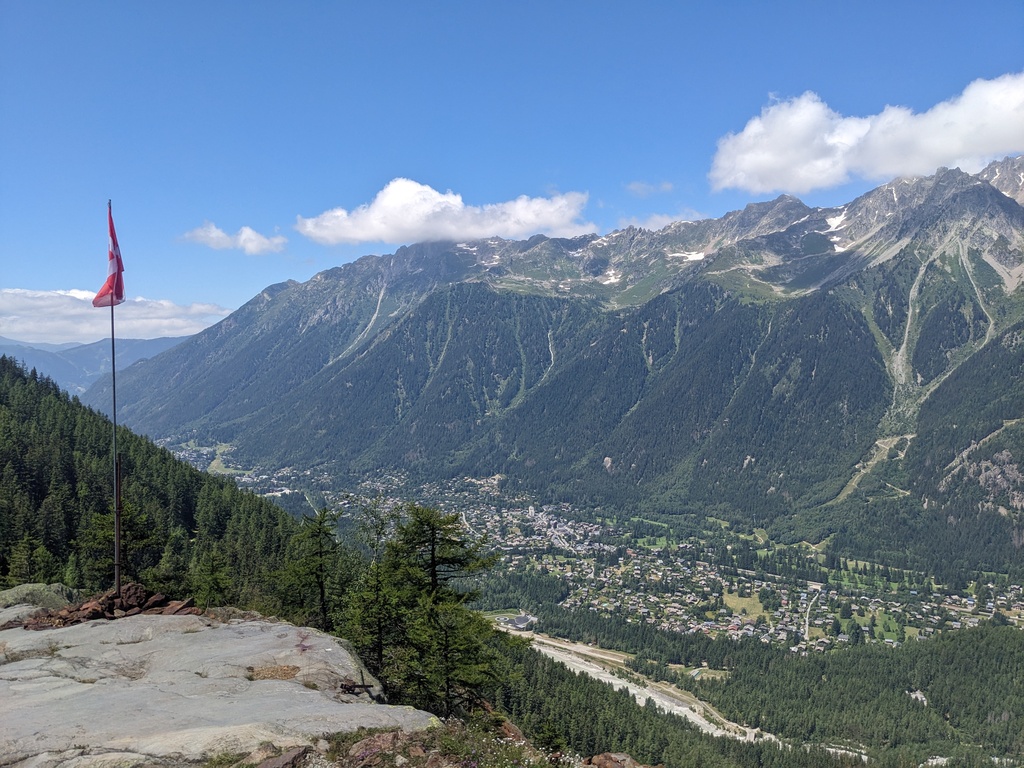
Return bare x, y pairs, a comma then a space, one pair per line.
393, 593
955, 694
182, 530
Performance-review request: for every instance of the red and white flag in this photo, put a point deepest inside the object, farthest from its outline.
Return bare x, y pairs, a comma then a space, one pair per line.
112, 292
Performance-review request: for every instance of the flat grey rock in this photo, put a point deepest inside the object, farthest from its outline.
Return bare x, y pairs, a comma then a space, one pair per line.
18, 613
168, 690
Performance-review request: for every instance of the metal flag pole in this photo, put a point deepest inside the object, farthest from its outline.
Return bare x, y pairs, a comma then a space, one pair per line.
110, 294
117, 460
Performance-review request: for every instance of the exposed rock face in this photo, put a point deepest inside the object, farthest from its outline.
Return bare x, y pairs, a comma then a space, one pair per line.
169, 689
50, 596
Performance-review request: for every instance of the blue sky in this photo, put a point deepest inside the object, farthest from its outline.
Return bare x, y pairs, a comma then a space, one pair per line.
248, 143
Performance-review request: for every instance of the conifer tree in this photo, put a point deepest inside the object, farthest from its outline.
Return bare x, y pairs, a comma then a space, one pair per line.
407, 615
313, 560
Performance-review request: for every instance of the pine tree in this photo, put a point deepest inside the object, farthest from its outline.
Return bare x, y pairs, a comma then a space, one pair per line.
407, 614
209, 577
313, 558
433, 548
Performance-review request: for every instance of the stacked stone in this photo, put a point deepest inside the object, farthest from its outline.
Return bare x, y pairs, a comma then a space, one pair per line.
134, 599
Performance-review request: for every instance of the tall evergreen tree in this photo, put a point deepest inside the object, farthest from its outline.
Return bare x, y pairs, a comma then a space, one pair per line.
408, 617
314, 559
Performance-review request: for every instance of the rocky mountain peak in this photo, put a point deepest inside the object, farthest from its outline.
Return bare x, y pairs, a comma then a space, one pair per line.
758, 219
1006, 175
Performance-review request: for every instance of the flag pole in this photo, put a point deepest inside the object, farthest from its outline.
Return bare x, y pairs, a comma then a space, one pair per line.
111, 293
117, 460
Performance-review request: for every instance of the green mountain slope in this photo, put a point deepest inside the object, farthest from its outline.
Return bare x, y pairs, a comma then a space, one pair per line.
56, 501
815, 370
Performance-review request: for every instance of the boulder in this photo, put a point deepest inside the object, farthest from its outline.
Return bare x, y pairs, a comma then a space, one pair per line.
51, 596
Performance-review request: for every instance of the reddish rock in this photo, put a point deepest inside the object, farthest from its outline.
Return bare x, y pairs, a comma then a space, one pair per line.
90, 610
155, 600
511, 732
180, 608
133, 595
372, 745
134, 599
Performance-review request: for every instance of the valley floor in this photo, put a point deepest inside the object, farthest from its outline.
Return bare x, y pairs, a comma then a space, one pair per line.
608, 666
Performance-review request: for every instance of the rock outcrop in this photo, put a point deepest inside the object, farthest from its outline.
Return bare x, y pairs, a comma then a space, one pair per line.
175, 689
143, 680
44, 596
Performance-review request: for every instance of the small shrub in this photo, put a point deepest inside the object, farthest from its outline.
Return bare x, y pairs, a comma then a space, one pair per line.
465, 745
224, 760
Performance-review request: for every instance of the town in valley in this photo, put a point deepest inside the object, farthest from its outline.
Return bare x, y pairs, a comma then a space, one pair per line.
623, 567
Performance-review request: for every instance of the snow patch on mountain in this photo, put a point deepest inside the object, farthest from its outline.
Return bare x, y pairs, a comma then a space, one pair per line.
610, 277
836, 222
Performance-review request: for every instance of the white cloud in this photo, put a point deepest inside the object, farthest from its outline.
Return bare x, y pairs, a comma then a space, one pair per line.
645, 189
246, 239
68, 316
802, 144
406, 211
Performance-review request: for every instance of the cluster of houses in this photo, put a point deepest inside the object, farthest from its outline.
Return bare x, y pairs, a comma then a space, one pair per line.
667, 586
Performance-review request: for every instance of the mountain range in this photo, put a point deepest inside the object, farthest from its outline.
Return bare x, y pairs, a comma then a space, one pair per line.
76, 367
851, 371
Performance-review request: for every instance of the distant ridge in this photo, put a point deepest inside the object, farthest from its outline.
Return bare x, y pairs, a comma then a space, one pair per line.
76, 367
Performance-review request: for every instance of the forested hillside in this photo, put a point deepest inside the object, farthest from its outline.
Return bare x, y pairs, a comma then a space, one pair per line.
185, 532
955, 694
182, 529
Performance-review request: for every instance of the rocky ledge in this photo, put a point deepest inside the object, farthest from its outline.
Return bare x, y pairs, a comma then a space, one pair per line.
171, 690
